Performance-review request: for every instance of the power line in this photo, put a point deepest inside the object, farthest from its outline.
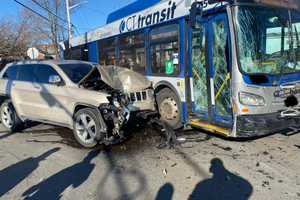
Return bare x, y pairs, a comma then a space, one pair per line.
40, 15
48, 10
35, 12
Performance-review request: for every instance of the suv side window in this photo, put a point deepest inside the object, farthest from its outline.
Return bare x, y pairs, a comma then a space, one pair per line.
43, 72
26, 73
11, 73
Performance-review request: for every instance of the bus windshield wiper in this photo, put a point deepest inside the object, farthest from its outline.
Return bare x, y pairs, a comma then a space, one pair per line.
291, 53
291, 37
297, 37
298, 46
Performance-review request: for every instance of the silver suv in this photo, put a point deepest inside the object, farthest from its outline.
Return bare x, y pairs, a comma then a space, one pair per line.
94, 101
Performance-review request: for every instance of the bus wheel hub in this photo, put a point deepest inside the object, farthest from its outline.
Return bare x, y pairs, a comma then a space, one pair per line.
168, 109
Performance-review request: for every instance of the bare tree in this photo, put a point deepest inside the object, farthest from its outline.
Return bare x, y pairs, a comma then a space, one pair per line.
15, 36
53, 30
29, 29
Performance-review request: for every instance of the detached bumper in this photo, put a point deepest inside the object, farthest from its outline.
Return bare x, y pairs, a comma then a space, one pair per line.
259, 125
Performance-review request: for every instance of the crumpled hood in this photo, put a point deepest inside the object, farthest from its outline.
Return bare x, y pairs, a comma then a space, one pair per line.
123, 79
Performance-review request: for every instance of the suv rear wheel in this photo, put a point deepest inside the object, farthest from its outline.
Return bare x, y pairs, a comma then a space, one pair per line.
86, 124
9, 117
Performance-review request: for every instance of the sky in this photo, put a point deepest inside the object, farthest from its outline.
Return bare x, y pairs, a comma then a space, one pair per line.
88, 16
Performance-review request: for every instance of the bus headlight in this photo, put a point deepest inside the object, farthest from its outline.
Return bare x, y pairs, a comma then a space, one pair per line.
249, 99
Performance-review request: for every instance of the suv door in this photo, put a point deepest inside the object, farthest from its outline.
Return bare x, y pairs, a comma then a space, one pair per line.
8, 82
53, 99
24, 92
8, 79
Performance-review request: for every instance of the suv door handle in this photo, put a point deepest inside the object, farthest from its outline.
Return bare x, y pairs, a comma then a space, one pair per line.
37, 87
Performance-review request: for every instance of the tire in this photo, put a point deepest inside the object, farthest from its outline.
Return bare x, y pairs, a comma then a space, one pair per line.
82, 130
169, 108
9, 117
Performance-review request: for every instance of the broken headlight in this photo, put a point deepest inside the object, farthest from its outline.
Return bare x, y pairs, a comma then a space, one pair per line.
250, 99
118, 99
116, 103
124, 99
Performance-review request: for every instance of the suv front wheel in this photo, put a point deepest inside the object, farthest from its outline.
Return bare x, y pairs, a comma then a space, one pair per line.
85, 127
9, 117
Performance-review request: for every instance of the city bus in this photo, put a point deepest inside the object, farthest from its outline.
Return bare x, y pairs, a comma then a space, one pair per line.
231, 67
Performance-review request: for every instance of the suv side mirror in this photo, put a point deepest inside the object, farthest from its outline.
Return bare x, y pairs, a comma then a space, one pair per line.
55, 80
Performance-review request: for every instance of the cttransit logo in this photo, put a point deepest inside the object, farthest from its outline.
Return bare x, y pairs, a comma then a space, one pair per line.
139, 21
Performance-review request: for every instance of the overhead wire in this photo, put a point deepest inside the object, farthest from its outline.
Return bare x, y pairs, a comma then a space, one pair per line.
37, 13
52, 13
48, 10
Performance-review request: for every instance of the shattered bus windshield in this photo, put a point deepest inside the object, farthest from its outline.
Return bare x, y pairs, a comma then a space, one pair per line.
268, 40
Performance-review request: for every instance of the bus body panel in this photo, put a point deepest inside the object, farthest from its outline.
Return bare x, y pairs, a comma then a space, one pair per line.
246, 121
177, 85
93, 52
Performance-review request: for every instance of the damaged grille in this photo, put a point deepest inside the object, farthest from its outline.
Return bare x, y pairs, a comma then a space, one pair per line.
140, 96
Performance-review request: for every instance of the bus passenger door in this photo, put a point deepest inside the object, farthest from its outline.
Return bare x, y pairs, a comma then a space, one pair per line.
220, 68
210, 87
199, 85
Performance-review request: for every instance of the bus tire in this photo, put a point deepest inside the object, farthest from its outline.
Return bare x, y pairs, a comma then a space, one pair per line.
169, 108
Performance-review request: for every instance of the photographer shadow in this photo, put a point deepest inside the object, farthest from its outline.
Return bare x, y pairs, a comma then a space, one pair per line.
222, 185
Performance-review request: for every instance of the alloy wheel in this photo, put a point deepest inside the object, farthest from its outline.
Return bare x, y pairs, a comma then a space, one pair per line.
7, 116
85, 128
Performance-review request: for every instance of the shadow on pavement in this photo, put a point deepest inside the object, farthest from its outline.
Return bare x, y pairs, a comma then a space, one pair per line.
165, 192
123, 190
14, 174
5, 135
53, 187
193, 164
65, 134
222, 185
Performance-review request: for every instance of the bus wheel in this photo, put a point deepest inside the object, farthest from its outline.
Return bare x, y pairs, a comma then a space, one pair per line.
169, 107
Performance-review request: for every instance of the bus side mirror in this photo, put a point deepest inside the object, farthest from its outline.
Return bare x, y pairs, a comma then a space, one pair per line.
196, 10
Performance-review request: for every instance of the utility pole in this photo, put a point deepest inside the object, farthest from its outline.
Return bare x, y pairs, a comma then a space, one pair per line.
68, 10
69, 22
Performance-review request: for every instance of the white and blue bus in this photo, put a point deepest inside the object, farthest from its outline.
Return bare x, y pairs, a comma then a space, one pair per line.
231, 67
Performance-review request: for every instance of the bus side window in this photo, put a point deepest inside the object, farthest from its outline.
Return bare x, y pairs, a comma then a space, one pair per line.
76, 53
165, 50
132, 52
107, 51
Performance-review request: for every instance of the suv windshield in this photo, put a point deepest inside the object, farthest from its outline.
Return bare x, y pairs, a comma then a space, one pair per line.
268, 39
76, 72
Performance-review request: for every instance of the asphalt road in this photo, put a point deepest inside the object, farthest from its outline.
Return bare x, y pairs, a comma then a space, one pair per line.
44, 162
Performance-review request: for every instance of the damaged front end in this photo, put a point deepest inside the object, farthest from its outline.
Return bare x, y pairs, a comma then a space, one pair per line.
115, 115
130, 95
136, 86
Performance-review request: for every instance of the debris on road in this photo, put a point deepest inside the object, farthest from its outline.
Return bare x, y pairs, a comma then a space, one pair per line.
265, 183
174, 165
165, 172
222, 147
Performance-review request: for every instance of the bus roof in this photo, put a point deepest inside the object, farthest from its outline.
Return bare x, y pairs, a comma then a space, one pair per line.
134, 7
144, 13
152, 13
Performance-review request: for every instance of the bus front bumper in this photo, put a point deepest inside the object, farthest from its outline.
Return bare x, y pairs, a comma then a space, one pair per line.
264, 124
